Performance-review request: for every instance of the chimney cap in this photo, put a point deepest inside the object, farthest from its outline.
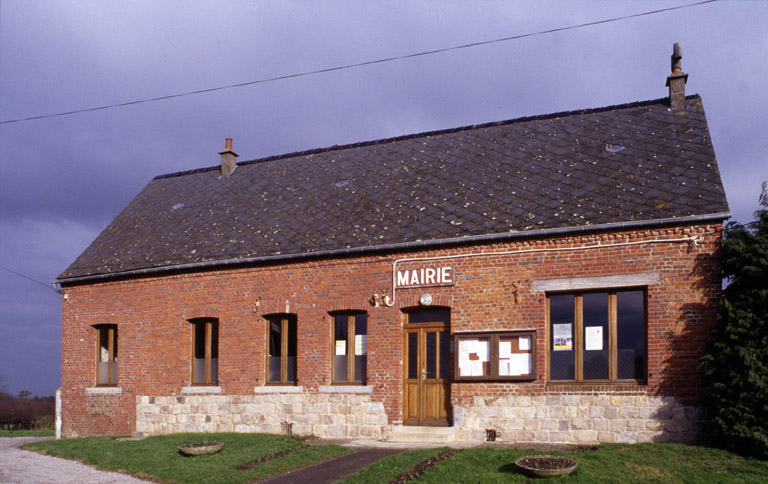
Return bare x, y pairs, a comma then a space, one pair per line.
677, 65
228, 147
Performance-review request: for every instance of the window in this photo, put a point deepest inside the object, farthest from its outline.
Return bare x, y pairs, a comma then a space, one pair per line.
106, 355
597, 336
350, 346
281, 359
205, 349
496, 355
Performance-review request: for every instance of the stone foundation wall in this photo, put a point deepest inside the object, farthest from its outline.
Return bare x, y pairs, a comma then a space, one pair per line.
331, 415
582, 419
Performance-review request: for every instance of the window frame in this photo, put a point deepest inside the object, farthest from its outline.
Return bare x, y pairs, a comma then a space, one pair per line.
578, 337
351, 320
211, 325
494, 337
284, 321
111, 335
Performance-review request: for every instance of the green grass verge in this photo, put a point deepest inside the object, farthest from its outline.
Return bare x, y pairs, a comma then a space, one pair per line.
610, 463
27, 433
158, 457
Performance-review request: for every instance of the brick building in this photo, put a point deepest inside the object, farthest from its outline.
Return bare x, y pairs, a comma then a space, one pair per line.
551, 278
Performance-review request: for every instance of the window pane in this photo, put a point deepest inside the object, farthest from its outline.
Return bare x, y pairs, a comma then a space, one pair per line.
198, 370
361, 365
340, 347
361, 324
214, 370
630, 335
413, 352
431, 355
291, 350
595, 336
274, 369
214, 341
199, 329
361, 347
291, 369
103, 378
431, 315
445, 354
275, 339
562, 359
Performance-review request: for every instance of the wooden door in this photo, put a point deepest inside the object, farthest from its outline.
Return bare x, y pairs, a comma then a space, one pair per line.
427, 380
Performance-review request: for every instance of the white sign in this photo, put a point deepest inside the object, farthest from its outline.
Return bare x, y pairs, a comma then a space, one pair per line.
428, 276
562, 337
341, 347
593, 338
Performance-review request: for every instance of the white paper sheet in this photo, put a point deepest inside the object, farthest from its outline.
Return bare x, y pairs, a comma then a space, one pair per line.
361, 344
524, 343
520, 364
341, 347
505, 349
482, 350
593, 338
505, 367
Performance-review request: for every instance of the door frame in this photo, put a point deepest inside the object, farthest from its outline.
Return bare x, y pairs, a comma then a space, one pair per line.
440, 385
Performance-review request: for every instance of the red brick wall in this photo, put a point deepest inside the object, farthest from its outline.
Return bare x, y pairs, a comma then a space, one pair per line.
152, 315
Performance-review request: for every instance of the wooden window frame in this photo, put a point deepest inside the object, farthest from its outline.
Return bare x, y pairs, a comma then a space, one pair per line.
111, 331
284, 320
493, 367
350, 315
578, 343
210, 326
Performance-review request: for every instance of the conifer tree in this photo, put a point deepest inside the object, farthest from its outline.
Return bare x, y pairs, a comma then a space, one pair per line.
735, 364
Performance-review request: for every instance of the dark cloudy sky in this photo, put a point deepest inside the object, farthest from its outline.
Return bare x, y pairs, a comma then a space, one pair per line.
63, 179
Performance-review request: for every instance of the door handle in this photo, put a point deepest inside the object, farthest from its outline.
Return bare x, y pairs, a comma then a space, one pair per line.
424, 374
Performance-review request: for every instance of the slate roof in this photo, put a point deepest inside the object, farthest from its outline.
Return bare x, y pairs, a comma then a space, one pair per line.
634, 162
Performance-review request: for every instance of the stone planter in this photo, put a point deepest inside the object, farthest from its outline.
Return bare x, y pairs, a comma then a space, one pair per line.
201, 449
546, 465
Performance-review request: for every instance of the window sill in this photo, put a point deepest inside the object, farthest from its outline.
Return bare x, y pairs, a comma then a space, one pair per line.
346, 389
103, 390
278, 389
197, 390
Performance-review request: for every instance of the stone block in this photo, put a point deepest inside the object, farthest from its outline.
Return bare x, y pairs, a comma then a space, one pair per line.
635, 424
571, 400
585, 436
626, 437
581, 424
595, 412
601, 425
606, 437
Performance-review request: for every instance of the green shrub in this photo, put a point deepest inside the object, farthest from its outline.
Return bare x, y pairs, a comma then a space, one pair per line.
736, 362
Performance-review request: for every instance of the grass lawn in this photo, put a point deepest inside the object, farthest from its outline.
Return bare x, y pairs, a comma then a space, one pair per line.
28, 433
158, 456
610, 463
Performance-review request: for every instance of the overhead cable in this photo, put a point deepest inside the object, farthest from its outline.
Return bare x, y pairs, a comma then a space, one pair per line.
351, 66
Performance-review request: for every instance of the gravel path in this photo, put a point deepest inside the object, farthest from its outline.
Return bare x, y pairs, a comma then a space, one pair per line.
19, 466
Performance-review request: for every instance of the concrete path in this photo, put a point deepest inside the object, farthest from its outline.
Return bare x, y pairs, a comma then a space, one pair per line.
334, 470
19, 466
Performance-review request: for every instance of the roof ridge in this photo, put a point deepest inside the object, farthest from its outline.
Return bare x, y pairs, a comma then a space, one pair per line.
537, 117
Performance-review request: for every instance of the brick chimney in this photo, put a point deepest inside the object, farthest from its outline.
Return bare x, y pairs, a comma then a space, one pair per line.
676, 81
228, 159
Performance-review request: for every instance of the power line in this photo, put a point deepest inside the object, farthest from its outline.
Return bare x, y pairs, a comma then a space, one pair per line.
351, 66
27, 277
